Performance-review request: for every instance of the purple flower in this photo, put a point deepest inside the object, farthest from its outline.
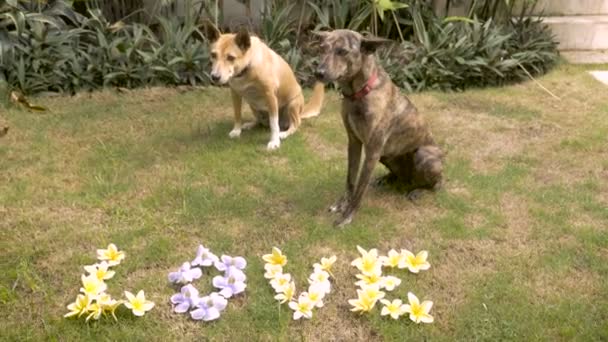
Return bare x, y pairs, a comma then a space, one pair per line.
185, 274
209, 307
231, 284
186, 299
204, 257
228, 264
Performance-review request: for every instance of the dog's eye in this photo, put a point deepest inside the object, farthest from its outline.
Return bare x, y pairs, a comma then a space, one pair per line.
230, 58
213, 55
341, 52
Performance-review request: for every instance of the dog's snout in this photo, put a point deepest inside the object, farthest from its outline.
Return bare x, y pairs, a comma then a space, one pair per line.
215, 77
320, 72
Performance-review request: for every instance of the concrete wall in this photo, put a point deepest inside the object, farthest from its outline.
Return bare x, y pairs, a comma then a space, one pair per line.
572, 7
544, 7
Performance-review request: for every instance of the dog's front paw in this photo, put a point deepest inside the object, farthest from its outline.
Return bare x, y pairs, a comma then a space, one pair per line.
273, 145
338, 206
235, 133
343, 221
283, 135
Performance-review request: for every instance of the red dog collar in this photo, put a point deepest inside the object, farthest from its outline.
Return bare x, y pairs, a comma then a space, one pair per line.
369, 85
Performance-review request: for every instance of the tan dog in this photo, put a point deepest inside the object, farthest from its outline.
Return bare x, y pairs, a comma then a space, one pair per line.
379, 121
264, 80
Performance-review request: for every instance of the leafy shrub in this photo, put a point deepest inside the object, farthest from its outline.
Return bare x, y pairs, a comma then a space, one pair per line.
455, 55
47, 46
56, 49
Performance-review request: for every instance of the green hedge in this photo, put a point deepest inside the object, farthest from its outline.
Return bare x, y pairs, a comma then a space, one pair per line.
50, 47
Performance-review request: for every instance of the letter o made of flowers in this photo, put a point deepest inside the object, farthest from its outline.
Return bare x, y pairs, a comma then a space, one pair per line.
228, 285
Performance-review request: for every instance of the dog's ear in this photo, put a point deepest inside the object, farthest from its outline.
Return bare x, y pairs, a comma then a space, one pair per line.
242, 39
369, 44
320, 34
209, 31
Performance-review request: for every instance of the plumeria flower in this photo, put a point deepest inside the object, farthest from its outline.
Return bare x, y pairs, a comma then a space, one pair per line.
394, 259
389, 283
371, 279
361, 304
108, 305
95, 311
230, 285
302, 308
112, 255
321, 278
100, 270
280, 282
204, 257
288, 292
209, 307
415, 263
316, 293
186, 299
395, 308
368, 263
272, 270
419, 312
366, 298
228, 264
185, 274
79, 307
138, 304
91, 286
276, 258
326, 264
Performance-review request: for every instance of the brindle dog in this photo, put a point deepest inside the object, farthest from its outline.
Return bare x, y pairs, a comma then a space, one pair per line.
378, 119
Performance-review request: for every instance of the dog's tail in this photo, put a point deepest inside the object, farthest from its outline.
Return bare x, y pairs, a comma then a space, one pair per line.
313, 106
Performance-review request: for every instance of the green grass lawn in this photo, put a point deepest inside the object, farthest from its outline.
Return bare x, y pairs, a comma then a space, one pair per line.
518, 238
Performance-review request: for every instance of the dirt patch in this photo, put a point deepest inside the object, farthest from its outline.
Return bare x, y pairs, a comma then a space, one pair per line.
518, 221
552, 286
482, 138
321, 148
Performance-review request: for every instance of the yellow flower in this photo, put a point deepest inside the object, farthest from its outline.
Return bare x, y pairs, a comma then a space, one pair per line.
316, 293
326, 264
368, 263
138, 304
108, 305
414, 263
92, 286
112, 255
288, 292
272, 270
302, 308
419, 312
371, 279
276, 258
100, 270
95, 311
366, 299
389, 283
393, 259
280, 282
79, 307
395, 308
